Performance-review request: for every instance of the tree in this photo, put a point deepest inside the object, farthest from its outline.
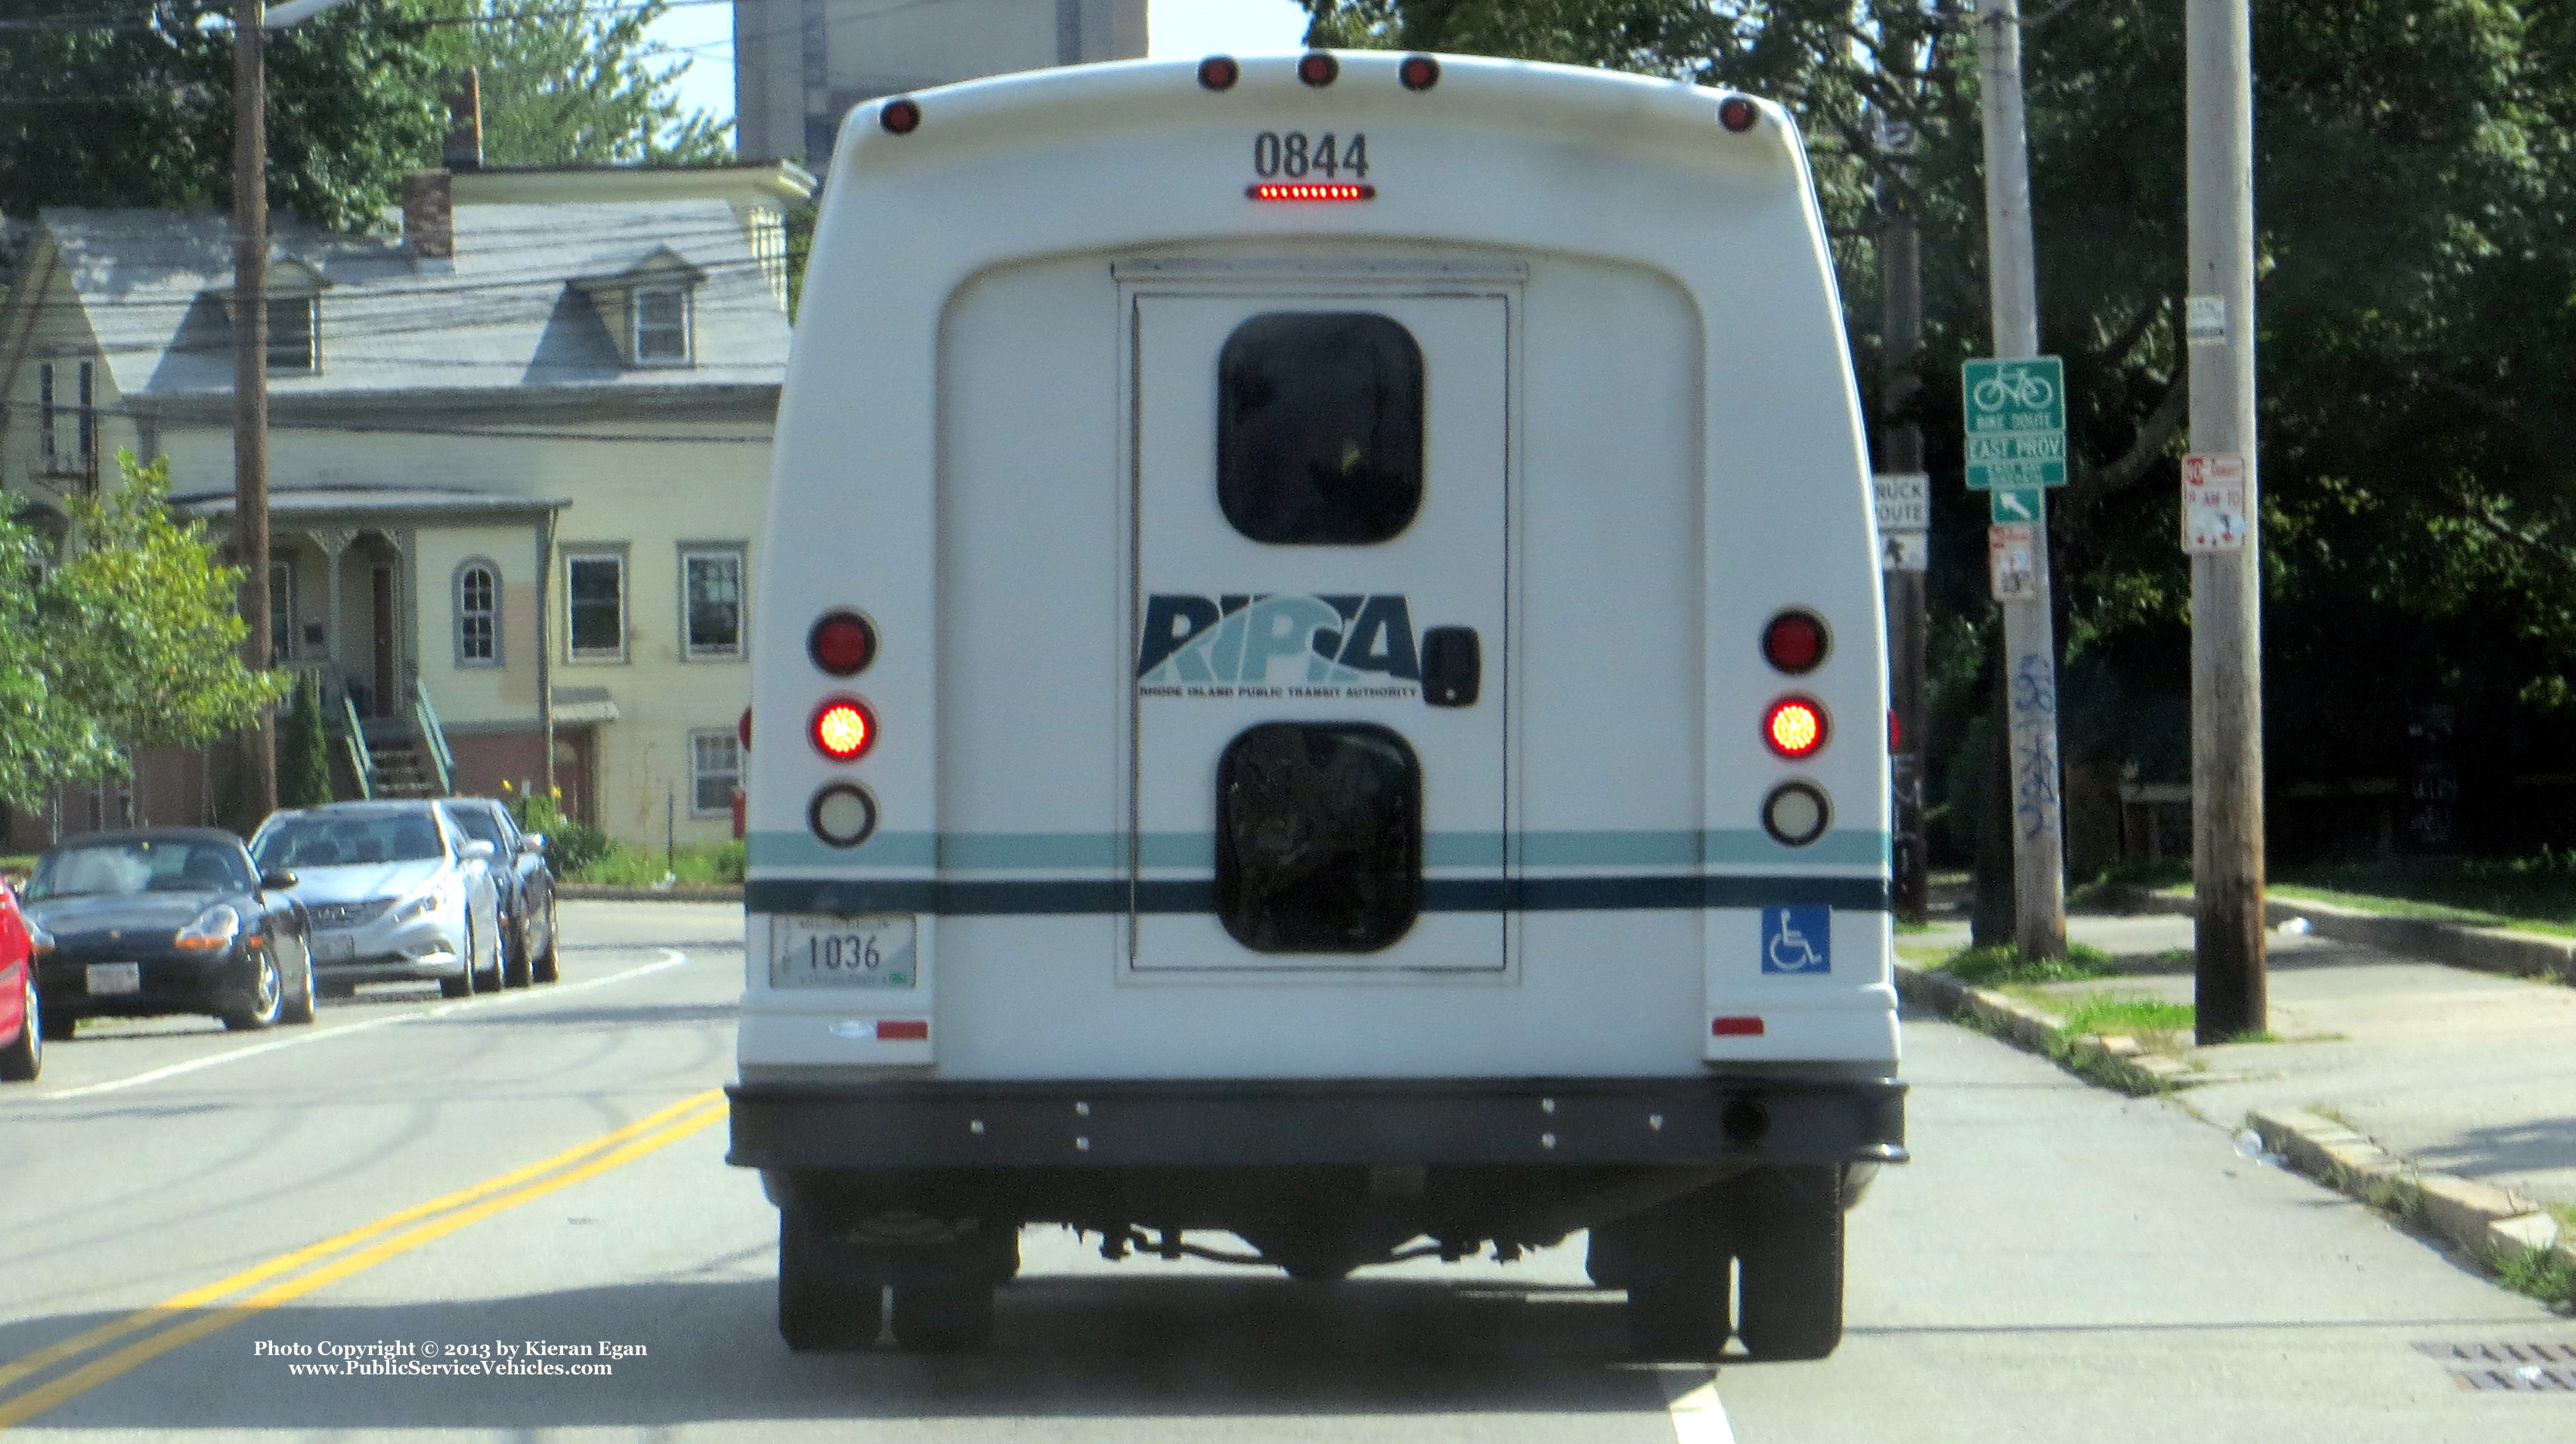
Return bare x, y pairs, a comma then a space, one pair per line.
130, 103
573, 87
2418, 345
137, 627
303, 751
44, 738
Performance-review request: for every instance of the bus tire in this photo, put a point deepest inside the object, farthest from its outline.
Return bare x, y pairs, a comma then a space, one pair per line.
824, 1305
1790, 1223
940, 1318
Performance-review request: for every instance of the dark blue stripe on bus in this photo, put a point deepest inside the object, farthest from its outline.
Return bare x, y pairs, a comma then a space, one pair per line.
955, 897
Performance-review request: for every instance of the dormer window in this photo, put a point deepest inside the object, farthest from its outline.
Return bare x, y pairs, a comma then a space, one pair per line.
295, 334
658, 334
650, 309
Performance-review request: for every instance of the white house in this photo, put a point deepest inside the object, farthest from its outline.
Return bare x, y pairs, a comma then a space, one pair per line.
517, 455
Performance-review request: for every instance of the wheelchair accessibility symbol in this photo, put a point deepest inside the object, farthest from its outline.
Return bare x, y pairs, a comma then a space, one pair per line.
1798, 939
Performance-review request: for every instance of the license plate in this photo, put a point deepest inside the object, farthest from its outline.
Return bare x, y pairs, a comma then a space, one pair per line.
330, 949
868, 952
105, 978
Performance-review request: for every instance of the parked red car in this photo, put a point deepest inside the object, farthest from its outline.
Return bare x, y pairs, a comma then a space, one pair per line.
22, 1033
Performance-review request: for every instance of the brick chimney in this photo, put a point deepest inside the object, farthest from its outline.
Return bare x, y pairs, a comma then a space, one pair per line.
429, 215
465, 122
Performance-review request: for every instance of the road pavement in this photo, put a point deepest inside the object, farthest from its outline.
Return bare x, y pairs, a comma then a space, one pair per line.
546, 1167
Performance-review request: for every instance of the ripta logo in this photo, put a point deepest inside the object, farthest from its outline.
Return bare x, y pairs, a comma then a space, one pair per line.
1242, 640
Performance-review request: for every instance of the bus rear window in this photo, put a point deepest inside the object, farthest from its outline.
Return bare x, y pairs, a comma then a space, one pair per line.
1319, 427
1318, 837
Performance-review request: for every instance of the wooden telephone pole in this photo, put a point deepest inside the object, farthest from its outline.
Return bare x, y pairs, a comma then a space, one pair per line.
2030, 650
250, 381
2226, 575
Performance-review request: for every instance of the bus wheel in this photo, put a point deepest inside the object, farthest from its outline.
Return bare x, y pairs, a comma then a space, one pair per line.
943, 1317
824, 1304
1790, 1221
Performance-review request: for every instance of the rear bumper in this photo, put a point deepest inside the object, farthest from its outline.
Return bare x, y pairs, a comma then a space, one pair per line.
921, 1124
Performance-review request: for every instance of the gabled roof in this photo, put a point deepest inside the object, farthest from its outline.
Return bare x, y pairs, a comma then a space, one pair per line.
509, 314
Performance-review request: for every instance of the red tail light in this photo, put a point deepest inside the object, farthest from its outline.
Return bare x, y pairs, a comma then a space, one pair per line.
1737, 113
1219, 72
1418, 72
1735, 1028
1318, 68
844, 729
900, 117
1795, 642
1795, 727
842, 643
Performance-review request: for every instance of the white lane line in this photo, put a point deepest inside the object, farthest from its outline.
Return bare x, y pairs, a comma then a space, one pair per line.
672, 958
1698, 1417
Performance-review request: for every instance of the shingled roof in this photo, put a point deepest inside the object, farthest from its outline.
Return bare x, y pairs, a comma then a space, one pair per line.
513, 316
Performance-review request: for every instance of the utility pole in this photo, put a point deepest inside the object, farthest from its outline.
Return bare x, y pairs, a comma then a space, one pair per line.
1900, 270
2226, 591
250, 378
2030, 653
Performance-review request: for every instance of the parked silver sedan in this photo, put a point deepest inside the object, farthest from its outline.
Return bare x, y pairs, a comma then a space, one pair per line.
396, 890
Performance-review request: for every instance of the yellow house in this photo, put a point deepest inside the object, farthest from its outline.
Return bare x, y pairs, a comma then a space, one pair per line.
518, 453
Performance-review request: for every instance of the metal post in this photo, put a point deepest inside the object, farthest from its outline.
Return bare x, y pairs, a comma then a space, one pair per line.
2226, 594
250, 378
1900, 265
2030, 653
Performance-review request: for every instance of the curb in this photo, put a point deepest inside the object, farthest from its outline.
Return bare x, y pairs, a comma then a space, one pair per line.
2507, 951
2493, 1225
2117, 1060
679, 892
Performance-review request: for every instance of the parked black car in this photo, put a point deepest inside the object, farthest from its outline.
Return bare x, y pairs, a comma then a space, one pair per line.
527, 886
166, 920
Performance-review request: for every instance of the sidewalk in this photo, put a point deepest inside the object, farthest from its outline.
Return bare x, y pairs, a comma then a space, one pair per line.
2456, 1071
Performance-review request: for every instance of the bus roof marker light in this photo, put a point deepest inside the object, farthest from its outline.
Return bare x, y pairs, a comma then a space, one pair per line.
1418, 72
844, 729
900, 116
1309, 191
1737, 113
1795, 727
1219, 72
1318, 68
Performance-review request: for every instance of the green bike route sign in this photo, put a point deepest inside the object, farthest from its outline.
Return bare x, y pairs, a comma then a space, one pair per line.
2016, 414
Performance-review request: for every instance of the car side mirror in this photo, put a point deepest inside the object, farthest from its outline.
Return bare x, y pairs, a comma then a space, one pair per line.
278, 881
532, 843
475, 851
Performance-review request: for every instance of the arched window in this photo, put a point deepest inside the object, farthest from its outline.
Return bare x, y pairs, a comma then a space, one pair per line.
478, 614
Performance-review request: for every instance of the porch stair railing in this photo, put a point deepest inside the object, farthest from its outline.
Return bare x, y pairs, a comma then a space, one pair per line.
362, 763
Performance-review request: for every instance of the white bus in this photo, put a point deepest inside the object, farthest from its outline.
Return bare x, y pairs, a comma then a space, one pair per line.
1319, 676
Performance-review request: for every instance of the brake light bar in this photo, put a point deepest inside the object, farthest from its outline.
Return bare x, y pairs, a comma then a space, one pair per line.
1309, 191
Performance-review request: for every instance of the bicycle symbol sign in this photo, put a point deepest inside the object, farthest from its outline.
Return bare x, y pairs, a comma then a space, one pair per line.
1798, 939
2016, 415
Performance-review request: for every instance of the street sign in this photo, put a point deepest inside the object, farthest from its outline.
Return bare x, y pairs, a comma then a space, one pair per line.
1904, 500
2011, 562
2004, 507
1904, 551
2016, 418
2214, 517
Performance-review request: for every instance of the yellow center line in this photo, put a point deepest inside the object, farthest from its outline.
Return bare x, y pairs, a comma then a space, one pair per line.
642, 1130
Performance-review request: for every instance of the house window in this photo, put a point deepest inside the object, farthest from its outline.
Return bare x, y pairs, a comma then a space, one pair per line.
478, 614
715, 769
281, 609
661, 326
595, 591
53, 379
711, 596
294, 333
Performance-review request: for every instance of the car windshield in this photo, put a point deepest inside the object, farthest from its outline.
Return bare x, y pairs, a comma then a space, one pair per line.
311, 841
138, 865
479, 824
